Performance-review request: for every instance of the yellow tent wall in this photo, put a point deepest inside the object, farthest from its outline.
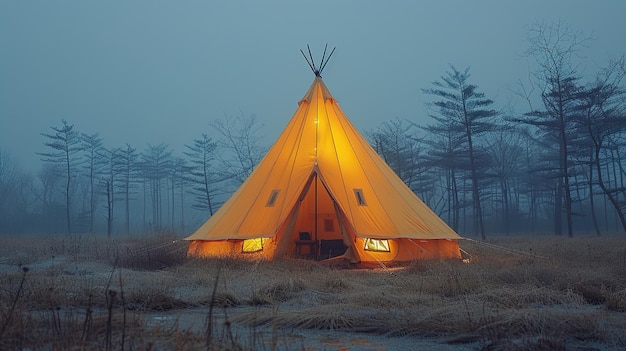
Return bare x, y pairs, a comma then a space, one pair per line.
322, 177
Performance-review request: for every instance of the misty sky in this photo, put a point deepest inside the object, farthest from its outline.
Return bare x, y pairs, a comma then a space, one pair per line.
143, 72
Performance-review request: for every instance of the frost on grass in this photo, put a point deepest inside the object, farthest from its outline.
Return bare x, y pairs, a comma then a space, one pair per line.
142, 293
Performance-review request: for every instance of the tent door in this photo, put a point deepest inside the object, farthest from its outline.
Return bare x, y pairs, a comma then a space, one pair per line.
318, 232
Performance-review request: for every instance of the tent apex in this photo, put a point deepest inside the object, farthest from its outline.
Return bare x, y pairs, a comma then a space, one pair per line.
317, 71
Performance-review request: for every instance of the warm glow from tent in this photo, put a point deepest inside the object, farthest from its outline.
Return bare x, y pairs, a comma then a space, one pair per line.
377, 245
322, 177
252, 245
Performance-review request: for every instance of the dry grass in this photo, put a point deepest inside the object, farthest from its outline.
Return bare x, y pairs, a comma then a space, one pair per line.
547, 294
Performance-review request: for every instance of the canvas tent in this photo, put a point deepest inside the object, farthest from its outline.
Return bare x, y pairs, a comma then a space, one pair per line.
322, 191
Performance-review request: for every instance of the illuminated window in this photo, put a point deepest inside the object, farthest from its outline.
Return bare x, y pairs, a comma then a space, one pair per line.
252, 245
360, 199
381, 245
272, 200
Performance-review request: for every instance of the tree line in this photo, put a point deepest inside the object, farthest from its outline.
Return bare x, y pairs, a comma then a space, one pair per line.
557, 166
86, 187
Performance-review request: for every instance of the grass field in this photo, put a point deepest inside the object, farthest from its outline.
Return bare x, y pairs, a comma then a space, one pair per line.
540, 293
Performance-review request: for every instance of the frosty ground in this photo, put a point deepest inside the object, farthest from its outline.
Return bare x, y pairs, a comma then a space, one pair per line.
518, 292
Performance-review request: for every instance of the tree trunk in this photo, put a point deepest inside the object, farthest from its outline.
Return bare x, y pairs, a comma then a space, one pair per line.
614, 201
127, 205
505, 202
109, 192
67, 194
475, 190
591, 200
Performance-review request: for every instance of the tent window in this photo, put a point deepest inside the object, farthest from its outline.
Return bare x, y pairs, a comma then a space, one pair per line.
381, 245
252, 245
360, 199
329, 225
272, 200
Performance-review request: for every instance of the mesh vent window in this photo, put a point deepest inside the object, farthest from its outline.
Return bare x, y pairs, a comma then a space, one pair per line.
271, 201
360, 198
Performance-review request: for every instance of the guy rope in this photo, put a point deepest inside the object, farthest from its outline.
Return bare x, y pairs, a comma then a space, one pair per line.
493, 246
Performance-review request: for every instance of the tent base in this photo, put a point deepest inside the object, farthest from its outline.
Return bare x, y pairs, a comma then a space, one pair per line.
405, 257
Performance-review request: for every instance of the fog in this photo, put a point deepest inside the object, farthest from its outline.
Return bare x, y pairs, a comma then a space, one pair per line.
159, 71
156, 76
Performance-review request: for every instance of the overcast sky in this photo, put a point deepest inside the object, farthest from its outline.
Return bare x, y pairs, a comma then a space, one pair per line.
146, 72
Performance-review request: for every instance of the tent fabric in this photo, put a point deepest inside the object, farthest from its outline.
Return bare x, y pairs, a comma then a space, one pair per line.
322, 177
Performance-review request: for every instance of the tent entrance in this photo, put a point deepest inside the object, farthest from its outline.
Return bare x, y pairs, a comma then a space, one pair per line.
317, 231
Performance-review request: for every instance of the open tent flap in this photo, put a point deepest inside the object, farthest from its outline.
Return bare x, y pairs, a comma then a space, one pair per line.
315, 227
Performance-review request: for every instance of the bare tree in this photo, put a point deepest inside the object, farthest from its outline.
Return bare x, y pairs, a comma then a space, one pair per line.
65, 155
177, 179
92, 146
398, 146
9, 175
111, 170
156, 164
469, 112
602, 117
202, 173
13, 203
553, 47
46, 211
128, 168
506, 153
240, 138
445, 142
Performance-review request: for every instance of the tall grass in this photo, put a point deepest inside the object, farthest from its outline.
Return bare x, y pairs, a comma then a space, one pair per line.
541, 293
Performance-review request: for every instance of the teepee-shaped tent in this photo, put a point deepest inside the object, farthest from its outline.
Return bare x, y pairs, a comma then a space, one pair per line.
322, 191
